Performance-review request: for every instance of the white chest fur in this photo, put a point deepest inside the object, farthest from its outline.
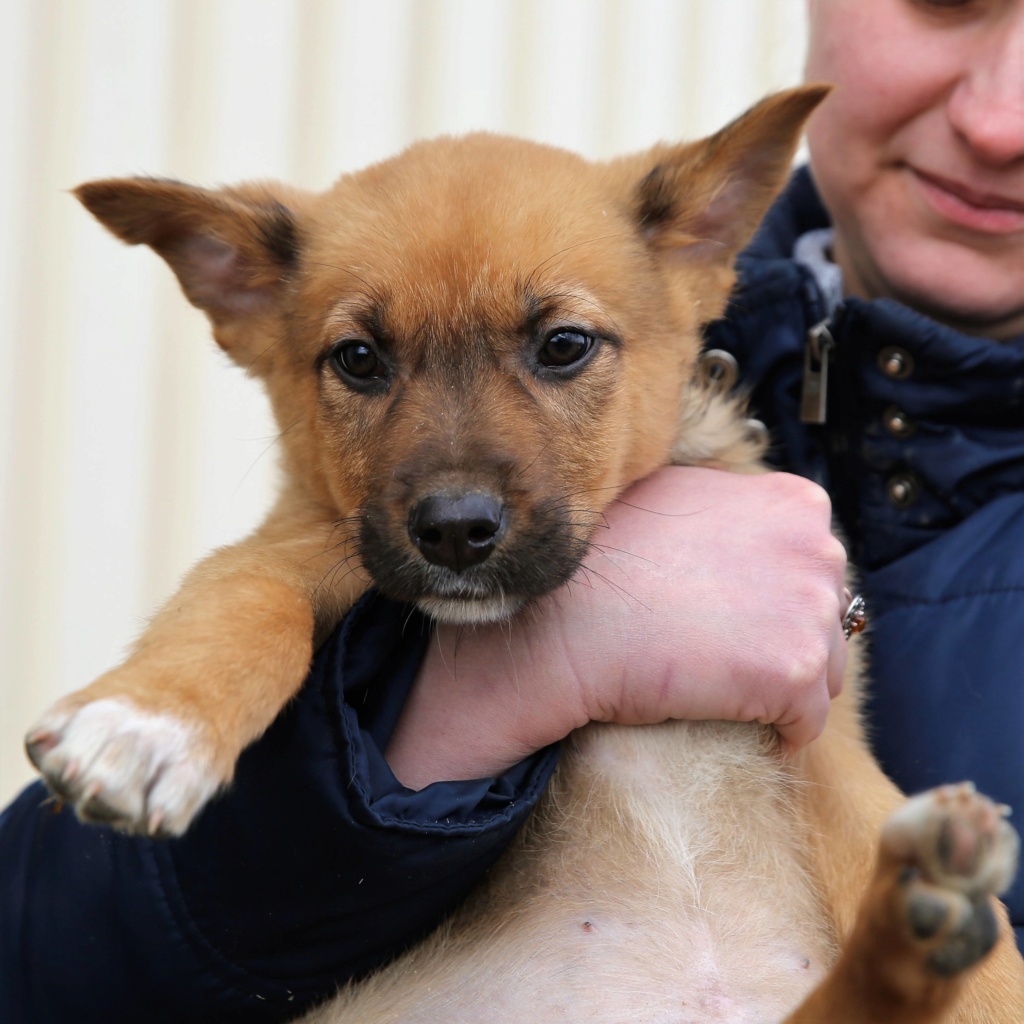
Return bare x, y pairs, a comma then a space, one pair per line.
665, 881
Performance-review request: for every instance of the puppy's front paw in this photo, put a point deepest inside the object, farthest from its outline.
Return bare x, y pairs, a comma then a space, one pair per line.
117, 764
959, 849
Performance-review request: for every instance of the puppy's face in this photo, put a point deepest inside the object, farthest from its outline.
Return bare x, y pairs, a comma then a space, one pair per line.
474, 346
494, 345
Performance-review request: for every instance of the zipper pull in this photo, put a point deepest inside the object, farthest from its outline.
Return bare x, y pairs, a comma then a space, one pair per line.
814, 389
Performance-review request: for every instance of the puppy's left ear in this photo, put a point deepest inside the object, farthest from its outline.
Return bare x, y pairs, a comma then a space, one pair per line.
700, 204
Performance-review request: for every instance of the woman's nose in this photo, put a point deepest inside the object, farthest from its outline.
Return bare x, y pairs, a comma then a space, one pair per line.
986, 108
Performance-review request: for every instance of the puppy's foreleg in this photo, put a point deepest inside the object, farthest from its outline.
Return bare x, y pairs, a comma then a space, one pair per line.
148, 743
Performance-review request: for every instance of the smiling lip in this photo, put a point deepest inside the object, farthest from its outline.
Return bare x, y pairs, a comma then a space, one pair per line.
971, 209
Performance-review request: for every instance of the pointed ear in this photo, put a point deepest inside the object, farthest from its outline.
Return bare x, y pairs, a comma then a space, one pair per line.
233, 250
701, 203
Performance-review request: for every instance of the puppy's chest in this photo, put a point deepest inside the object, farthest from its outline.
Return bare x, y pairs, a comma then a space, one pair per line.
668, 885
702, 909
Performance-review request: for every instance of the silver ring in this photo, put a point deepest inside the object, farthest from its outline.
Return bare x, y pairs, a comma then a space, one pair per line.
856, 616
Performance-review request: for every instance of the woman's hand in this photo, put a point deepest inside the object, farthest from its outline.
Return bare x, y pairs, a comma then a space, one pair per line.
711, 595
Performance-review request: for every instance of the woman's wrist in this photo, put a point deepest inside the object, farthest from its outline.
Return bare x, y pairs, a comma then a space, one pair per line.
485, 698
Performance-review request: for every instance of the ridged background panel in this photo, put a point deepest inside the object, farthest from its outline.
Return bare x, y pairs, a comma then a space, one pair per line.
129, 446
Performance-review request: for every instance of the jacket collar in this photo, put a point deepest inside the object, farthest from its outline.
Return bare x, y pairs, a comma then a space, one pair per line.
798, 210
964, 395
961, 375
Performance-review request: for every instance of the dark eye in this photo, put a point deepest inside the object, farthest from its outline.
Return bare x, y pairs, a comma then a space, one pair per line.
358, 364
563, 348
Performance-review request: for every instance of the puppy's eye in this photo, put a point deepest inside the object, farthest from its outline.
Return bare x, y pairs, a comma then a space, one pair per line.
357, 364
565, 348
357, 359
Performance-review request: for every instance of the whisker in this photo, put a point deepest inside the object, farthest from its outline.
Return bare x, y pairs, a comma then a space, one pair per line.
372, 290
408, 618
655, 512
259, 355
576, 245
515, 668
543, 449
346, 539
274, 441
623, 593
460, 632
582, 569
440, 650
333, 573
602, 548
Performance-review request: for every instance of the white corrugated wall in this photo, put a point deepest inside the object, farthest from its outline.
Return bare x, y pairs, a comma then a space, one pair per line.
128, 445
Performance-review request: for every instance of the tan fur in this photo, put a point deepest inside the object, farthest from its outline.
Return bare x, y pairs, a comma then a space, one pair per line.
684, 866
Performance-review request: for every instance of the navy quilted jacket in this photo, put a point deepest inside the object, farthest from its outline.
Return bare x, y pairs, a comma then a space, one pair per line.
922, 450
318, 865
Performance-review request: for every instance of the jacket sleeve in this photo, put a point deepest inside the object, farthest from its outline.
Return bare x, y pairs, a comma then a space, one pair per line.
314, 868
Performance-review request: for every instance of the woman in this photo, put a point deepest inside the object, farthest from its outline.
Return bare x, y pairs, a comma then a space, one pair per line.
890, 278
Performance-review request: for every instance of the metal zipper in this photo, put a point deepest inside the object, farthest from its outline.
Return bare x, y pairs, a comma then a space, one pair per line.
818, 348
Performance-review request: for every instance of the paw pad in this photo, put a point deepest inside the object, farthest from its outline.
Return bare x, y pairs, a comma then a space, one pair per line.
957, 838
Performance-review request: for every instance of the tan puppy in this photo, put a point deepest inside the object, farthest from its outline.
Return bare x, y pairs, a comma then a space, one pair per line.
437, 334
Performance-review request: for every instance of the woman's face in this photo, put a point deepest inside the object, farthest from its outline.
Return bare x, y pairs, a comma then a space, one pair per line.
919, 153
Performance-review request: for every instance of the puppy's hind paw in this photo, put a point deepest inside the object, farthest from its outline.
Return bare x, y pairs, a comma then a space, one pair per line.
957, 837
116, 764
958, 849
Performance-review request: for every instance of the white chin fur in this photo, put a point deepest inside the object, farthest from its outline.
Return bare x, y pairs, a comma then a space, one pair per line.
462, 612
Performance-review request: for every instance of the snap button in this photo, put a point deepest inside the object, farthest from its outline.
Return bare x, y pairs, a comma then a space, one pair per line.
903, 489
719, 369
897, 422
896, 362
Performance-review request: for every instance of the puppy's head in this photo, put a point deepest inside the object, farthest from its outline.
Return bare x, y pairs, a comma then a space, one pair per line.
476, 345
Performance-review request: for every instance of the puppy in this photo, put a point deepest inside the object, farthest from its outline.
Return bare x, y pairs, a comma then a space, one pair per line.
437, 333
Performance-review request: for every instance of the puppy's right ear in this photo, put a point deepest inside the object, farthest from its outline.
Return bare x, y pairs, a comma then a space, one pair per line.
234, 250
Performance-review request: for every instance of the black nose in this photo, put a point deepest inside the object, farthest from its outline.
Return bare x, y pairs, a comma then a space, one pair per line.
456, 530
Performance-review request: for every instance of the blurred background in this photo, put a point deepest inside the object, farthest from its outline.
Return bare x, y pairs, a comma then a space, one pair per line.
129, 445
